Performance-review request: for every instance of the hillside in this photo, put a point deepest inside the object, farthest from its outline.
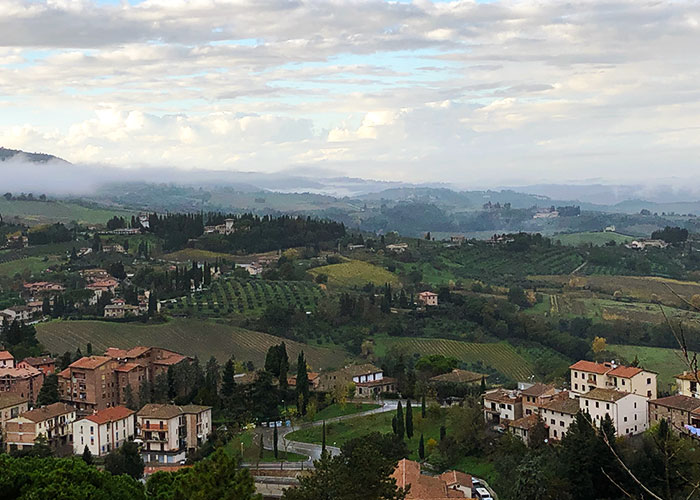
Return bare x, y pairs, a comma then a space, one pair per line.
189, 337
8, 154
356, 273
596, 238
41, 212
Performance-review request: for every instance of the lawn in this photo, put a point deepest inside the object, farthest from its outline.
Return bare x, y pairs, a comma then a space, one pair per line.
666, 362
356, 273
29, 265
596, 238
477, 466
338, 410
187, 336
251, 450
338, 433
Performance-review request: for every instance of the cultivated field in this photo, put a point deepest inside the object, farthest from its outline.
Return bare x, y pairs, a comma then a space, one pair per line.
499, 356
190, 254
596, 238
189, 337
38, 212
232, 296
666, 362
356, 273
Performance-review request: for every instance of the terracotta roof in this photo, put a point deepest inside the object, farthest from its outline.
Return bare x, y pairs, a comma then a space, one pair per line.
194, 408
38, 361
110, 415
455, 477
173, 359
23, 372
6, 355
501, 396
47, 412
537, 390
610, 395
8, 399
527, 422
459, 377
90, 362
678, 402
154, 410
127, 367
137, 351
693, 377
64, 373
114, 352
592, 367
422, 487
625, 371
562, 404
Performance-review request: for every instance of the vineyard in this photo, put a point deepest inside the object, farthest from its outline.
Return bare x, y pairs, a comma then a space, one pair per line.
251, 297
500, 356
356, 273
187, 336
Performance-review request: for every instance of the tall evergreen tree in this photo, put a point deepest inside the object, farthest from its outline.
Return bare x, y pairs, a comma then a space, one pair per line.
228, 381
409, 419
422, 406
48, 394
87, 456
421, 448
302, 384
274, 441
400, 429
323, 439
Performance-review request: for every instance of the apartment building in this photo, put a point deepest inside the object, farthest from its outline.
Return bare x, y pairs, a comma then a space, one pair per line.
54, 422
89, 384
558, 414
25, 381
169, 432
629, 412
46, 364
535, 395
104, 431
11, 405
156, 360
502, 406
589, 375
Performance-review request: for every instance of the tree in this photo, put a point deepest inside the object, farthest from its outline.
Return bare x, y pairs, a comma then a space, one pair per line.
274, 441
160, 389
422, 406
400, 429
129, 398
421, 448
302, 388
145, 392
228, 380
539, 435
87, 456
323, 438
49, 391
599, 345
409, 419
482, 388
125, 460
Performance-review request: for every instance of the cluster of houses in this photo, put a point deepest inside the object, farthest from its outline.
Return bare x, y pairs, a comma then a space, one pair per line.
627, 394
228, 227
92, 412
448, 485
643, 244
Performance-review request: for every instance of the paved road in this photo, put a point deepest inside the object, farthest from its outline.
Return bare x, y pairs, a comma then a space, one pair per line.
313, 451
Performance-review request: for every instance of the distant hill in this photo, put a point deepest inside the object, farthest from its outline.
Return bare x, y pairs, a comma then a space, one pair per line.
7, 154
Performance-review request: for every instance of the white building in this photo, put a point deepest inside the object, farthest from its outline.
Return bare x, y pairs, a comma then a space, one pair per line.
587, 375
558, 414
104, 431
501, 405
629, 412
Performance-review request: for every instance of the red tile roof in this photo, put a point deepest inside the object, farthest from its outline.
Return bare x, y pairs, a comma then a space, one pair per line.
114, 352
422, 487
170, 360
625, 371
591, 367
127, 367
91, 362
678, 402
110, 415
6, 355
527, 422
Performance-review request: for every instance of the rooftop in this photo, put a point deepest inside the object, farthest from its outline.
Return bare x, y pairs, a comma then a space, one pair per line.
527, 422
625, 371
357, 370
538, 390
422, 487
610, 395
110, 415
501, 396
8, 399
563, 404
6, 355
693, 377
90, 362
165, 411
24, 372
678, 402
47, 412
592, 367
39, 360
127, 367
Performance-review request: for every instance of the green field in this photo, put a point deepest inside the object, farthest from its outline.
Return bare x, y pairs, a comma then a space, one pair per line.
27, 266
338, 433
247, 445
356, 273
233, 296
190, 254
666, 362
596, 238
189, 337
338, 410
37, 212
500, 356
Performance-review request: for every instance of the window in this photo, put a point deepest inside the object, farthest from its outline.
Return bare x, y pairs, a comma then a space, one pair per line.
625, 419
623, 381
553, 422
648, 380
575, 374
576, 386
561, 423
648, 394
586, 402
597, 404
607, 406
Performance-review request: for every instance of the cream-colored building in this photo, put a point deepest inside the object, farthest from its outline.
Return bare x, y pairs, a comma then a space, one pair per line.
54, 422
169, 432
629, 412
104, 431
558, 414
588, 375
11, 406
501, 406
687, 384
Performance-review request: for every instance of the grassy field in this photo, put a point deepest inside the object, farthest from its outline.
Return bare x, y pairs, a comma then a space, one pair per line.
189, 337
338, 410
641, 288
190, 254
355, 273
596, 238
666, 362
500, 356
251, 297
250, 446
37, 212
28, 265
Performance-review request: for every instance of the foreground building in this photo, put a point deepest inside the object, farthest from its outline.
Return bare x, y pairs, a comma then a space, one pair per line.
588, 375
502, 406
451, 484
24, 381
169, 432
54, 422
558, 414
104, 431
627, 411
681, 412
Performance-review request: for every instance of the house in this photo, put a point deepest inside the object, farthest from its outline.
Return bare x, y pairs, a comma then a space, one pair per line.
104, 431
687, 384
502, 406
629, 412
609, 229
46, 364
7, 360
546, 214
679, 410
95, 274
451, 484
17, 313
558, 413
25, 381
644, 244
113, 248
54, 422
313, 380
522, 427
458, 239
11, 405
428, 298
253, 268
169, 432
534, 396
121, 310
397, 247
42, 289
588, 375
36, 307
368, 379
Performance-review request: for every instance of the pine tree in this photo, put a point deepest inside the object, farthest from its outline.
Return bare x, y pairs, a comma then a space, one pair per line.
274, 441
399, 421
87, 456
422, 406
443, 432
228, 381
48, 394
409, 419
421, 448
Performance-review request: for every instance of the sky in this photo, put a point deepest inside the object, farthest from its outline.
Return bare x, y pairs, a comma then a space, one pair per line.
465, 92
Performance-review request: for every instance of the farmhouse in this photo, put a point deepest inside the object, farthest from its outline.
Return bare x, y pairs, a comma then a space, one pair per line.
521, 427
451, 484
687, 383
502, 406
628, 411
104, 431
644, 244
368, 379
535, 395
397, 247
559, 413
680, 411
428, 298
54, 422
121, 310
588, 375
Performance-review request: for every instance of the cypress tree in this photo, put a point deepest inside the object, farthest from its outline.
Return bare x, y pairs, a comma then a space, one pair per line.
399, 421
393, 424
409, 419
87, 456
422, 406
228, 379
443, 432
421, 448
323, 439
302, 384
483, 385
274, 441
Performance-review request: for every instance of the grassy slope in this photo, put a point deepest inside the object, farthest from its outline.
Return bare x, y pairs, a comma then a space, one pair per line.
665, 362
597, 238
251, 450
55, 211
500, 356
189, 337
337, 410
356, 273
189, 254
32, 265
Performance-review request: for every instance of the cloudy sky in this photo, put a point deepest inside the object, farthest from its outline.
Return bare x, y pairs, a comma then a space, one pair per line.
467, 92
